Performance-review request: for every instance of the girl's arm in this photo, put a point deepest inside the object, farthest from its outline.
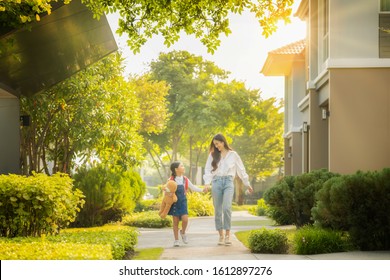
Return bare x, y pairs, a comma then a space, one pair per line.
193, 187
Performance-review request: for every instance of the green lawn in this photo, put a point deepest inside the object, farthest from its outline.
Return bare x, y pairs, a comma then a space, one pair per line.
148, 254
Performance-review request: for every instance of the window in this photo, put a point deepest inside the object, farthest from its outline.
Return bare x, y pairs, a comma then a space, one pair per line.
384, 29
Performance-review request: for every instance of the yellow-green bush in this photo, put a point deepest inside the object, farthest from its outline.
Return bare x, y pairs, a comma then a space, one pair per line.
37, 204
260, 209
54, 251
148, 219
199, 204
108, 242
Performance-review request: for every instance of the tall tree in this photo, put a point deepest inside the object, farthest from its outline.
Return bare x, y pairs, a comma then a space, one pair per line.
95, 113
262, 148
190, 79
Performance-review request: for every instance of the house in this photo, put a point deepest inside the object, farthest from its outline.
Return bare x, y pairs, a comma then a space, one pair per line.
36, 58
337, 87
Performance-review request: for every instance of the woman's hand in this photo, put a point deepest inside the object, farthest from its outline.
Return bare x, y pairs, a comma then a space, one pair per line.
249, 190
206, 188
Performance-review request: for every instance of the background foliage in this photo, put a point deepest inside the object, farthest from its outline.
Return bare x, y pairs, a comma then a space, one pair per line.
109, 194
38, 204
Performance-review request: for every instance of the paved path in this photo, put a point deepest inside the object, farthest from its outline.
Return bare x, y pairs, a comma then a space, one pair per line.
203, 239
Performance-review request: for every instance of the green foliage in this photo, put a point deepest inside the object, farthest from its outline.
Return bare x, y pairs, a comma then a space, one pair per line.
121, 239
109, 194
141, 19
54, 251
312, 240
358, 203
199, 204
265, 131
260, 209
205, 20
292, 198
267, 241
279, 199
16, 13
103, 243
148, 205
93, 114
38, 204
149, 219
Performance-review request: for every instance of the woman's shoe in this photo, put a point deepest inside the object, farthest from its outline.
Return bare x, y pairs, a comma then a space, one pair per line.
227, 240
176, 243
221, 241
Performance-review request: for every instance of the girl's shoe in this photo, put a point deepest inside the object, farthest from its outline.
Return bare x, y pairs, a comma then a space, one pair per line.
227, 241
176, 243
184, 237
221, 241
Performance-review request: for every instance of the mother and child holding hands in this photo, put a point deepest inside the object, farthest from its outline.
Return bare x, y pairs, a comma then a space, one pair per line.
222, 165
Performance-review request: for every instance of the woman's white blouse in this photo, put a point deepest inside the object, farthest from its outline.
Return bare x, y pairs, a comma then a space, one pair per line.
228, 166
180, 181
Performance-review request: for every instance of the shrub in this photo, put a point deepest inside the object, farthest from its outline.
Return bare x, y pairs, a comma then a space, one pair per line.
199, 204
54, 251
38, 204
103, 243
149, 219
280, 201
268, 241
358, 203
148, 205
262, 207
109, 194
313, 240
121, 239
292, 198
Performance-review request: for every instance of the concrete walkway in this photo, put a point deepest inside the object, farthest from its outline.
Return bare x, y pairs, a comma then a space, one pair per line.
203, 239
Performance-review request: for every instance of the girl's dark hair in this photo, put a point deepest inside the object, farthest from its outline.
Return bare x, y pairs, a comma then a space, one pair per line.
174, 165
215, 153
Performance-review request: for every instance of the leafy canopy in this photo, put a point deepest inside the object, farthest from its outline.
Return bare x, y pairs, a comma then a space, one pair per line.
141, 19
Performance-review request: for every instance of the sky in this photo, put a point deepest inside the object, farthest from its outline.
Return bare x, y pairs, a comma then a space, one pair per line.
242, 53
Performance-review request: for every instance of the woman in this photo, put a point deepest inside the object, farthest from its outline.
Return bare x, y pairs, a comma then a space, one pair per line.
222, 165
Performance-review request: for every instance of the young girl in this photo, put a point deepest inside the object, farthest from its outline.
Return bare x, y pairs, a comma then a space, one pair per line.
179, 209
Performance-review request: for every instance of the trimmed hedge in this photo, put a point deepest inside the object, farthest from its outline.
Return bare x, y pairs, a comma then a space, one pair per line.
38, 204
54, 251
104, 243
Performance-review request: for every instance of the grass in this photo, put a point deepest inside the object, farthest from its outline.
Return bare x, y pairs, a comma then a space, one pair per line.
258, 223
236, 207
148, 254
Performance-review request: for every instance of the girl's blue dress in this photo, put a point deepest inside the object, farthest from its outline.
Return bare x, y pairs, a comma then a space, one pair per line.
179, 208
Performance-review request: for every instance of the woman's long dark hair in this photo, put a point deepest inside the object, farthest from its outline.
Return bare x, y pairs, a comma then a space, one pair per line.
215, 153
173, 167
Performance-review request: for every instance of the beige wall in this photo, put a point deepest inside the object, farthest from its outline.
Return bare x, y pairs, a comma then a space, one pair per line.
318, 135
293, 146
359, 123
